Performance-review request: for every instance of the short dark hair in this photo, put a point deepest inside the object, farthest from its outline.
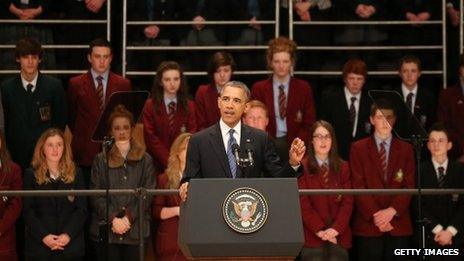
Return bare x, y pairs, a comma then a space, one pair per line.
410, 59
440, 127
381, 104
99, 42
28, 46
219, 59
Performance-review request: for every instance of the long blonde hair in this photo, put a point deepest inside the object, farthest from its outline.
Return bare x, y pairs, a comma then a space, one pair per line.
174, 162
66, 166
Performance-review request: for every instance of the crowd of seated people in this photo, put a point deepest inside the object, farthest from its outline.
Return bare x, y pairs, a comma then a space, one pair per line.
352, 142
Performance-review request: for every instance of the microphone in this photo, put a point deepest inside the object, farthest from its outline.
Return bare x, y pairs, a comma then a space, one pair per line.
108, 141
249, 151
236, 150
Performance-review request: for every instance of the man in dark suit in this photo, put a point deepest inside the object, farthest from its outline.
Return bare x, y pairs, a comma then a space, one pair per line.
445, 212
417, 98
289, 100
451, 110
210, 151
381, 223
87, 94
32, 103
347, 109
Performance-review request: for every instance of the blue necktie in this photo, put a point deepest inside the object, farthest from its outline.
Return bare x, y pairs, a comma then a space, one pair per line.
230, 153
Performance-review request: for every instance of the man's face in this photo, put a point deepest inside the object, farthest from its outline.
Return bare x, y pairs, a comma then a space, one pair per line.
29, 63
232, 104
409, 73
100, 59
281, 64
256, 117
438, 144
383, 122
354, 82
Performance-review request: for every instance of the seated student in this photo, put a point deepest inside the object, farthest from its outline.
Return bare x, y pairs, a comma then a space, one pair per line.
220, 69
167, 113
166, 208
445, 212
289, 100
381, 223
326, 217
54, 225
10, 207
256, 115
129, 167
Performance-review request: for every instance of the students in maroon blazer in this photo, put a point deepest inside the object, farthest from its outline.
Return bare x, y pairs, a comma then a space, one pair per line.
169, 96
297, 104
326, 218
84, 102
10, 207
381, 223
166, 208
451, 112
220, 69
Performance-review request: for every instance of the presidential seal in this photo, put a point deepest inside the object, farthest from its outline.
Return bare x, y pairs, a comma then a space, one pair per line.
245, 210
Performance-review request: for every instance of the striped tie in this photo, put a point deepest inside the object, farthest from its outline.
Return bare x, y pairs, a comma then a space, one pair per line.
171, 113
352, 112
383, 159
282, 102
325, 173
101, 97
409, 101
441, 177
230, 154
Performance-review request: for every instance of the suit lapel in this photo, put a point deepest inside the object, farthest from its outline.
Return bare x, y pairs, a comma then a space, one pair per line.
269, 97
218, 146
91, 90
110, 86
375, 157
392, 160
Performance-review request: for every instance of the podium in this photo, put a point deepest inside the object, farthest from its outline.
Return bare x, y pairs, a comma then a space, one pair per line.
208, 229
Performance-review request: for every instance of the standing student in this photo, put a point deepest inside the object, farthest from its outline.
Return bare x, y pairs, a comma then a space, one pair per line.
10, 207
54, 225
167, 113
166, 208
326, 218
381, 223
445, 212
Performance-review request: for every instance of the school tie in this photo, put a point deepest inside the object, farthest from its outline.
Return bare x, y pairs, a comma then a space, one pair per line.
171, 112
383, 159
101, 97
282, 102
230, 154
29, 88
409, 101
441, 177
352, 112
325, 173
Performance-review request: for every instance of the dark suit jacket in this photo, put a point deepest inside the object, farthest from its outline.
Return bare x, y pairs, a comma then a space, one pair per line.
158, 136
326, 211
167, 247
424, 112
206, 106
335, 110
367, 174
84, 113
10, 209
54, 215
301, 112
446, 210
27, 117
451, 112
207, 158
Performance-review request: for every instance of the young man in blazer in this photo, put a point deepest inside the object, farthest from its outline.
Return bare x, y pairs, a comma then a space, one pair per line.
210, 151
381, 223
289, 100
87, 95
445, 212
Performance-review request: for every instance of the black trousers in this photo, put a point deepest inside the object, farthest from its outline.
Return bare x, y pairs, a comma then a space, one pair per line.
380, 248
117, 252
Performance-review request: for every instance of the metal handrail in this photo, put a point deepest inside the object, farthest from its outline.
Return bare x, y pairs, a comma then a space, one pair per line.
52, 21
366, 22
210, 22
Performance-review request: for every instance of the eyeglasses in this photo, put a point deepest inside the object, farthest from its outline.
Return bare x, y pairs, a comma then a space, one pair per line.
322, 137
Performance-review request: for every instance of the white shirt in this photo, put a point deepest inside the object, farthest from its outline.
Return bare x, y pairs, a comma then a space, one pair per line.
348, 96
105, 79
281, 124
167, 101
436, 165
406, 91
225, 132
33, 82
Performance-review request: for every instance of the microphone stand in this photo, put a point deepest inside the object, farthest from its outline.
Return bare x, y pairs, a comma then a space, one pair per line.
107, 144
